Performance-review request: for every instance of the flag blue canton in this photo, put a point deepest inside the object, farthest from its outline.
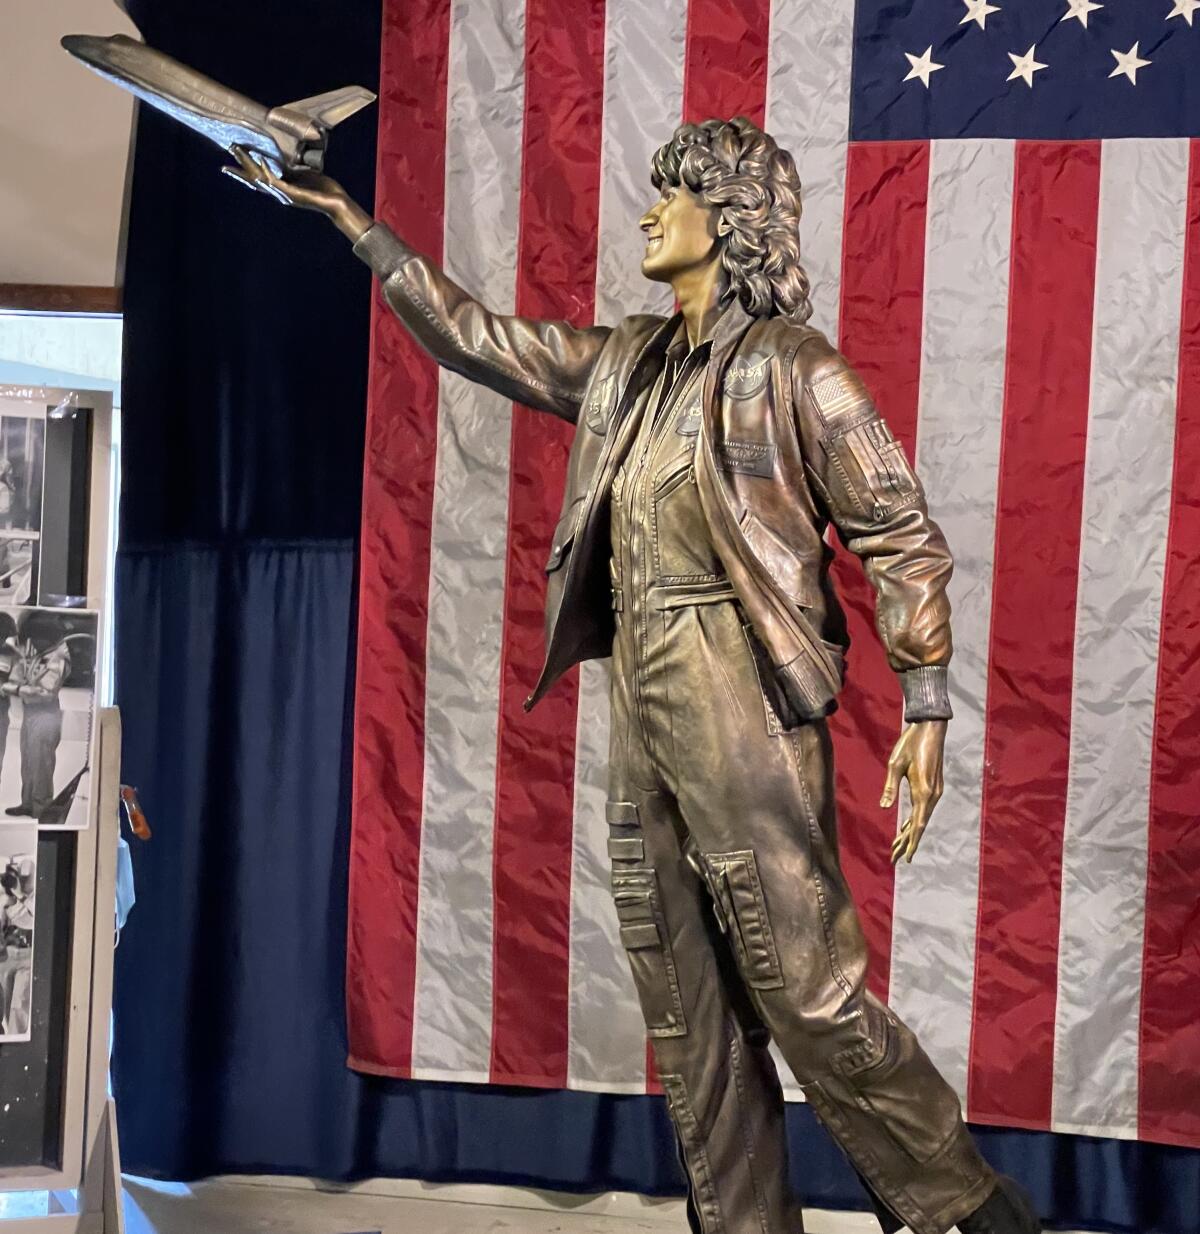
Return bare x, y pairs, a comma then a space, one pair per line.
1071, 95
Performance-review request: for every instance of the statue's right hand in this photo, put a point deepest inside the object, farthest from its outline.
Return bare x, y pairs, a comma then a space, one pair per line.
310, 190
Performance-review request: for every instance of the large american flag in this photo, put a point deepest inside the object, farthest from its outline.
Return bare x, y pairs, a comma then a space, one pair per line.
1002, 222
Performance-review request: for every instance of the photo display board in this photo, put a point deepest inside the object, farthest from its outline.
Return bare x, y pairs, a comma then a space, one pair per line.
55, 491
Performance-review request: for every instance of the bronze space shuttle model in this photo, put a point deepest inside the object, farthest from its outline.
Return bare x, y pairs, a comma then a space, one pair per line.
291, 137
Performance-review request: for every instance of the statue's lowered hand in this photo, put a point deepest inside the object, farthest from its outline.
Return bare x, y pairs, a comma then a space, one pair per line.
917, 758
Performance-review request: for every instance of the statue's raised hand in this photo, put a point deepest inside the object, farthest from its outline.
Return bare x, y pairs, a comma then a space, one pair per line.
310, 190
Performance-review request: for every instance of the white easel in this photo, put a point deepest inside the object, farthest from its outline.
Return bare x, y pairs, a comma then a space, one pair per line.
84, 1194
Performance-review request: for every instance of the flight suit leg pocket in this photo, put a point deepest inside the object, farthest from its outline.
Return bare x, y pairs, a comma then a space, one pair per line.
642, 924
643, 931
742, 909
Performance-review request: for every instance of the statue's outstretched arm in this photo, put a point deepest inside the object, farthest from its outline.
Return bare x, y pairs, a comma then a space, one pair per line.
544, 364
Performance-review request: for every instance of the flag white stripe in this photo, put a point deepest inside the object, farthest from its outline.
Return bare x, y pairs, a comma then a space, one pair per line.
968, 238
643, 93
808, 113
1126, 508
453, 997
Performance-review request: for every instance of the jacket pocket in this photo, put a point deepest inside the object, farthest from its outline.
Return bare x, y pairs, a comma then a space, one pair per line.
778, 559
780, 715
564, 535
644, 936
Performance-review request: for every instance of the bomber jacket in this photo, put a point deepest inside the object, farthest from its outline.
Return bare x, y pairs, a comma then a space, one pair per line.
788, 441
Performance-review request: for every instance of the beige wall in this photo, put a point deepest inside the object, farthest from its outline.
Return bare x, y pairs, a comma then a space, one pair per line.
64, 146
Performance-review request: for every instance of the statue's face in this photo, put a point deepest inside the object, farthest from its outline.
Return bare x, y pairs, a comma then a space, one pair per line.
681, 233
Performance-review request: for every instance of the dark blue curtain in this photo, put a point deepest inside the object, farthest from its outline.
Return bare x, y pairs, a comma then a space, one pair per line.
244, 389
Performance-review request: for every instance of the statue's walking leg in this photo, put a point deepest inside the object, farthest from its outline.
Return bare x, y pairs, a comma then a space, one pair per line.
709, 1045
722, 789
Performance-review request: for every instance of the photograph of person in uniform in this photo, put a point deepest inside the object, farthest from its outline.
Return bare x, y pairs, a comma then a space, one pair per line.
47, 689
18, 888
22, 474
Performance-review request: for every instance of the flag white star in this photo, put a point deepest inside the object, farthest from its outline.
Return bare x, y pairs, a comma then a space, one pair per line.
1025, 66
1184, 9
1128, 63
1080, 10
922, 66
978, 10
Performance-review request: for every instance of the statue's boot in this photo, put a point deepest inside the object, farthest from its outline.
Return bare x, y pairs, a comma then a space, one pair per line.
1006, 1211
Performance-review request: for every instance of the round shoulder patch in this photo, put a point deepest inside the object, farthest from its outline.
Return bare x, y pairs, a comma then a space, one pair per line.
747, 375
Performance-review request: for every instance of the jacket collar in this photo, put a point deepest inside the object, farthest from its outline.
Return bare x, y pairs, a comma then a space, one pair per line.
729, 331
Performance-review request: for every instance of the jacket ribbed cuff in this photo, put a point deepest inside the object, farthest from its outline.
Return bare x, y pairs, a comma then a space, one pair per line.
926, 693
381, 249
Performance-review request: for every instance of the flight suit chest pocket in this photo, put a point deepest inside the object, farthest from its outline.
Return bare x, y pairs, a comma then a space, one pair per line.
682, 545
644, 936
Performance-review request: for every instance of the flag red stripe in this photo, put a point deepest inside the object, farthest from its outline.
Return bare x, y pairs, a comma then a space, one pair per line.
389, 720
1035, 578
883, 279
1169, 1088
725, 65
560, 196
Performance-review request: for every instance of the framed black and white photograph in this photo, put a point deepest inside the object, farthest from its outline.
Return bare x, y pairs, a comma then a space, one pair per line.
18, 886
47, 702
22, 486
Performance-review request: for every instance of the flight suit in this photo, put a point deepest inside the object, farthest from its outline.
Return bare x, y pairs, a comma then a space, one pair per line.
701, 482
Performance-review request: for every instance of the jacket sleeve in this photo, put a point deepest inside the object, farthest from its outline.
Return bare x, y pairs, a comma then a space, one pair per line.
543, 364
858, 472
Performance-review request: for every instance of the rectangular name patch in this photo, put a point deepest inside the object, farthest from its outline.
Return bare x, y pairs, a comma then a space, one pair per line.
751, 458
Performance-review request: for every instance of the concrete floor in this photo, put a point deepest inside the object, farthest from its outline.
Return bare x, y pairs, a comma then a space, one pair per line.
296, 1206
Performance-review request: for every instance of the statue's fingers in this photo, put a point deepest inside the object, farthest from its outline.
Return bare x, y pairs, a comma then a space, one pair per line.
920, 820
900, 843
891, 783
274, 189
235, 174
244, 161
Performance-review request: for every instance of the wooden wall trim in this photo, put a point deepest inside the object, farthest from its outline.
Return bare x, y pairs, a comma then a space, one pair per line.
58, 298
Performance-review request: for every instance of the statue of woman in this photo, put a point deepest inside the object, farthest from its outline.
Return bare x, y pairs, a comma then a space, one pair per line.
711, 451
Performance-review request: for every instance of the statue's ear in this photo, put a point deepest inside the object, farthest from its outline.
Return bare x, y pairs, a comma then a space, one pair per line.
724, 227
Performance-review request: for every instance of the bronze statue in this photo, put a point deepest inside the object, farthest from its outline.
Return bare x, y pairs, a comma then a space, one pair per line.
711, 451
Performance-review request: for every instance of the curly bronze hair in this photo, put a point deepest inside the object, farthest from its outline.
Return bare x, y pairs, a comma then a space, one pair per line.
735, 167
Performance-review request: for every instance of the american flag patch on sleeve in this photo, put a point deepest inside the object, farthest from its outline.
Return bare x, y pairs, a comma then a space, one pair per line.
839, 396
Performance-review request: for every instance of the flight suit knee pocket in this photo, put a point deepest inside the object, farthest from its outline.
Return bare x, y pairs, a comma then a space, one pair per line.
742, 912
920, 1113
